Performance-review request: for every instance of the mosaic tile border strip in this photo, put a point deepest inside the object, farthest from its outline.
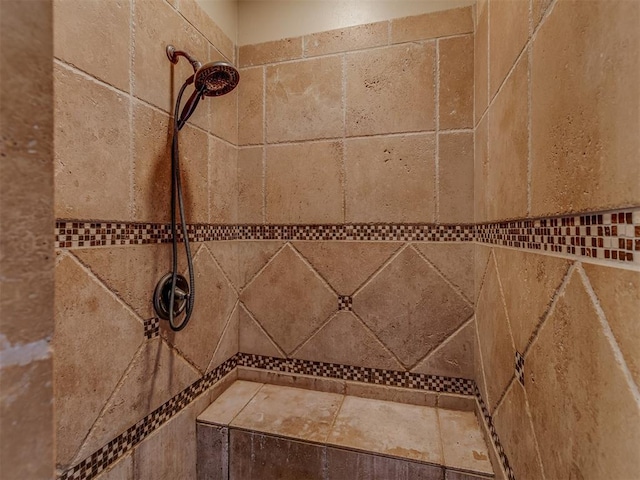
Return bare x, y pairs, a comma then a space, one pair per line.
494, 435
152, 327
519, 364
345, 302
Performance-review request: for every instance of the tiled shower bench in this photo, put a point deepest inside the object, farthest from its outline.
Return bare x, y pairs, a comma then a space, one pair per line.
256, 431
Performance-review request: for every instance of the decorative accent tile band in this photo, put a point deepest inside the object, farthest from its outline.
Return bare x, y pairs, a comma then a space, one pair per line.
119, 446
520, 368
152, 327
345, 302
612, 236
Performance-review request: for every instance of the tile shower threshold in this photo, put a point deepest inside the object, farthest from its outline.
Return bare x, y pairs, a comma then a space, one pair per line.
256, 430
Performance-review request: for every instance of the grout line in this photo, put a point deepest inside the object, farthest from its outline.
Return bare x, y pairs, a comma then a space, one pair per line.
225, 329
443, 343
262, 329
335, 419
529, 129
380, 342
358, 137
245, 405
401, 248
502, 298
513, 380
132, 157
264, 144
313, 334
533, 431
344, 135
437, 118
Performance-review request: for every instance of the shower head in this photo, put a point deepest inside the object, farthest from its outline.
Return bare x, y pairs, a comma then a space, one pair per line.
216, 78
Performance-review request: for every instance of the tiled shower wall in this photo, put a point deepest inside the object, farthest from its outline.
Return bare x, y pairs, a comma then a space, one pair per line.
114, 87
367, 124
557, 119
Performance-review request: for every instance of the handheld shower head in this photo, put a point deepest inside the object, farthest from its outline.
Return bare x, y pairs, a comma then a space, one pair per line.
216, 78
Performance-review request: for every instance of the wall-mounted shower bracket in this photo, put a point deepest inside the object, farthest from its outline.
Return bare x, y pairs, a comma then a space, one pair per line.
162, 296
173, 55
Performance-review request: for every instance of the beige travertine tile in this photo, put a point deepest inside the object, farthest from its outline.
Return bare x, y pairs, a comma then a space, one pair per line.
453, 357
431, 25
463, 403
225, 253
345, 340
391, 394
508, 34
514, 428
529, 282
481, 171
227, 347
270, 52
304, 183
456, 82
308, 382
452, 260
304, 100
214, 303
581, 400
538, 9
85, 379
289, 300
291, 412
81, 32
372, 425
456, 174
157, 373
378, 102
618, 292
251, 106
131, 272
223, 115
194, 173
230, 403
346, 265
155, 79
152, 132
250, 185
195, 15
496, 343
347, 39
508, 149
585, 118
252, 256
252, 339
121, 470
410, 308
390, 179
482, 257
481, 63
223, 182
93, 164
462, 443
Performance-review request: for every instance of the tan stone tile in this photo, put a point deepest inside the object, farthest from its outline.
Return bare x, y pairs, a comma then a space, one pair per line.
452, 260
345, 340
618, 292
376, 102
538, 9
508, 149
82, 30
304, 183
584, 119
194, 173
456, 177
304, 100
152, 134
157, 374
251, 106
289, 300
372, 425
481, 64
508, 34
529, 282
462, 443
431, 25
513, 424
121, 470
27, 417
252, 256
346, 265
131, 272
223, 116
453, 357
230, 403
214, 303
225, 253
89, 362
496, 344
156, 79
390, 179
227, 347
347, 39
482, 257
223, 182
308, 382
391, 394
581, 400
481, 171
195, 15
456, 82
462, 403
291, 412
270, 52
250, 185
253, 339
410, 308
92, 151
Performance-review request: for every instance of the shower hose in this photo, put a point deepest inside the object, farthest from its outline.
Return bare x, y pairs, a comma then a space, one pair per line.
176, 195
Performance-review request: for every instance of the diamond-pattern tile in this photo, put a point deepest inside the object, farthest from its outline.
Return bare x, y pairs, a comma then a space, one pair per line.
289, 299
410, 307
